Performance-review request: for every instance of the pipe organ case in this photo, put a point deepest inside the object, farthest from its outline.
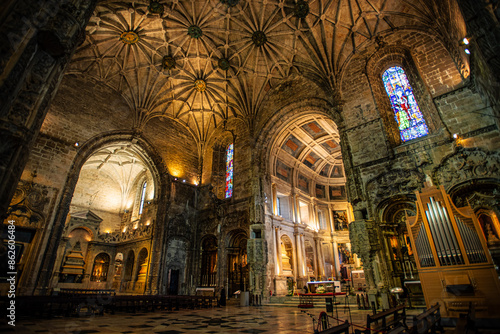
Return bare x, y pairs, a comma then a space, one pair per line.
454, 264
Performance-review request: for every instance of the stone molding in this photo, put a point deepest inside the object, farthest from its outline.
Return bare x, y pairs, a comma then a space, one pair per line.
466, 164
393, 182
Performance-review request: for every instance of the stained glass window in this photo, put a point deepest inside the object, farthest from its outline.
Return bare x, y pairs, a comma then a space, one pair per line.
229, 170
410, 121
143, 196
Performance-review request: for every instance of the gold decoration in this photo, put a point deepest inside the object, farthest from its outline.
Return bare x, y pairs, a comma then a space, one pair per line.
129, 37
200, 85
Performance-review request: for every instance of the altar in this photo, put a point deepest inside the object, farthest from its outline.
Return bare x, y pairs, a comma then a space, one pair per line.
322, 287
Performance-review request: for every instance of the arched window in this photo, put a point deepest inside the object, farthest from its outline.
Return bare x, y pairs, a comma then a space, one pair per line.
229, 170
143, 196
410, 121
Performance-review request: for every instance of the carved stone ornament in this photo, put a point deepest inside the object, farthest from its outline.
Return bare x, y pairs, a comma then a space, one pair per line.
394, 182
466, 164
155, 7
364, 238
200, 85
142, 232
301, 9
224, 64
482, 196
29, 205
195, 31
168, 62
230, 3
259, 38
180, 226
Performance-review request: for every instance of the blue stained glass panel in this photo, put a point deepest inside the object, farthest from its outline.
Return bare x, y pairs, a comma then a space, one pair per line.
229, 171
410, 121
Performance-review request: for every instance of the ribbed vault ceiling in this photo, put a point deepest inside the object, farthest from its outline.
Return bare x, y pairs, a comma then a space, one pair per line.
204, 62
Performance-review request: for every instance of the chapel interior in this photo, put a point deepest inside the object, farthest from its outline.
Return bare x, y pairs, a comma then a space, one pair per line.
166, 146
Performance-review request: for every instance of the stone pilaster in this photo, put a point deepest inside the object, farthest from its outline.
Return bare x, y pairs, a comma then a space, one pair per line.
40, 46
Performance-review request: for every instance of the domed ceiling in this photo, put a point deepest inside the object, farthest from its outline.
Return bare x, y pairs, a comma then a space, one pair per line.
116, 168
311, 146
205, 62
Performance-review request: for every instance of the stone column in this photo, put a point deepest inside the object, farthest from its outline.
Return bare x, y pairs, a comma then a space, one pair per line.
277, 242
297, 257
330, 218
365, 243
296, 213
274, 198
316, 215
336, 259
42, 37
320, 259
303, 253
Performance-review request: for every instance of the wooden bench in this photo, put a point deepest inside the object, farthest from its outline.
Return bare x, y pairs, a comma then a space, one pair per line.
339, 329
86, 301
324, 326
385, 321
428, 321
92, 292
71, 303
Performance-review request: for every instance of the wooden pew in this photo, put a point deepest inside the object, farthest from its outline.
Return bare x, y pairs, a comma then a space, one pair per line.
324, 326
385, 321
77, 302
340, 329
428, 321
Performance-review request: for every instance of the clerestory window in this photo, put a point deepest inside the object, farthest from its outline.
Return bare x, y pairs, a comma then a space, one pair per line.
407, 113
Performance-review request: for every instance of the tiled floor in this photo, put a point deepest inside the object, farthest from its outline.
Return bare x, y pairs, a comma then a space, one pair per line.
229, 319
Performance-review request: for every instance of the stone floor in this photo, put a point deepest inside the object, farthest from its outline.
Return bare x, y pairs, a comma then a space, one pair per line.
229, 319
